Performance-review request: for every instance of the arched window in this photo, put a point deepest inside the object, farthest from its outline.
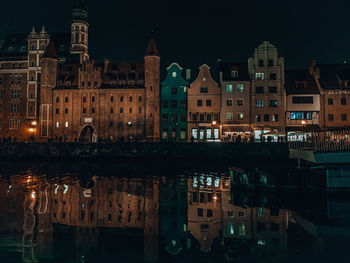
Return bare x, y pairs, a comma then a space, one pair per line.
112, 99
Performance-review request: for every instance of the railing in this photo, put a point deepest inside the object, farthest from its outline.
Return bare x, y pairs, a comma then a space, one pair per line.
326, 146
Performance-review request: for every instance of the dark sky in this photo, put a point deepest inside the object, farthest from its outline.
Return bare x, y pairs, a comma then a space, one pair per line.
194, 32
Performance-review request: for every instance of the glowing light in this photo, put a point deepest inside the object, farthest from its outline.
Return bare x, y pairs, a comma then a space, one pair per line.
214, 123
31, 129
56, 189
303, 122
33, 195
34, 123
65, 189
215, 197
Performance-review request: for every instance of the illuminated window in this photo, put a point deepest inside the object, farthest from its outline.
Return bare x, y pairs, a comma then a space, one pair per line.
261, 211
259, 76
57, 124
229, 116
273, 103
234, 74
241, 230
66, 124
240, 88
209, 134
217, 179
195, 133
275, 117
259, 103
240, 116
228, 88
230, 229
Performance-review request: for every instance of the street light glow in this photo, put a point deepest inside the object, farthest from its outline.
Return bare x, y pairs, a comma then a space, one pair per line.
34, 123
31, 129
303, 122
214, 122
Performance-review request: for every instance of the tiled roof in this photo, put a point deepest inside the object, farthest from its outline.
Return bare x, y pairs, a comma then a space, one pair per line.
50, 51
292, 77
152, 49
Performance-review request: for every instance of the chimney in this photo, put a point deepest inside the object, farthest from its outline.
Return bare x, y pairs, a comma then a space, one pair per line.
188, 74
315, 72
106, 64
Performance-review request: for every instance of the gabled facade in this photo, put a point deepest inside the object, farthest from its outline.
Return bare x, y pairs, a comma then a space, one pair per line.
173, 113
266, 70
204, 105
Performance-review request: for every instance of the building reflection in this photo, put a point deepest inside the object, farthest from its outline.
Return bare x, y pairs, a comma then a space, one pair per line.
101, 218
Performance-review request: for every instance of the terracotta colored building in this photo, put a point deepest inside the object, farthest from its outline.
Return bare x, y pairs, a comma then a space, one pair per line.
204, 105
78, 99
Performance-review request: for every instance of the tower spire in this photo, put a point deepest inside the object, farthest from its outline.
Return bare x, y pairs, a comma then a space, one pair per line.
152, 49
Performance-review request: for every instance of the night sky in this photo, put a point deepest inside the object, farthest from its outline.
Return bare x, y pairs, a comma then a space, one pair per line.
193, 32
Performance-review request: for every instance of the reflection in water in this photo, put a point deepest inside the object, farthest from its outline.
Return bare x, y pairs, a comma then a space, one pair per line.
168, 219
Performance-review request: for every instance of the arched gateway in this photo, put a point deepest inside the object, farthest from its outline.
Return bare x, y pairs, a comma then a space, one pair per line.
88, 134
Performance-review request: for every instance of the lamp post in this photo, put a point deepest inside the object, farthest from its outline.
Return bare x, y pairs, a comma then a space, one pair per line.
304, 129
32, 130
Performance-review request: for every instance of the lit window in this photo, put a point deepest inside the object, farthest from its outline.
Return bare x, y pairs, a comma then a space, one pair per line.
228, 88
241, 230
229, 116
240, 116
259, 76
209, 134
259, 103
240, 88
230, 229
209, 181
195, 133
57, 124
217, 179
66, 124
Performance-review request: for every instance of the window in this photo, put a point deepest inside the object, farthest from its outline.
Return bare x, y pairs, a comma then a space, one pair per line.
194, 135
14, 107
121, 99
259, 103
259, 76
66, 111
273, 103
183, 118
93, 99
257, 118
240, 116
240, 214
275, 227
173, 117
209, 134
229, 102
66, 124
14, 94
130, 98
164, 117
89, 84
130, 110
174, 104
270, 63
229, 116
111, 110
57, 100
239, 102
274, 117
261, 211
200, 212
208, 103
111, 124
204, 227
183, 104
301, 115
259, 90
343, 101
194, 117
343, 117
303, 100
14, 124
174, 91
201, 117
121, 110
228, 88
203, 90
84, 99
240, 88
230, 229
234, 74
330, 117
92, 110
229, 213
266, 117
209, 213
273, 76
261, 63
57, 124
330, 101
165, 104
199, 103
273, 89
83, 83
140, 110
57, 111
66, 100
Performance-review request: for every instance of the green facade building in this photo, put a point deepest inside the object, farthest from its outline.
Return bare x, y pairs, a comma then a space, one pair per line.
173, 106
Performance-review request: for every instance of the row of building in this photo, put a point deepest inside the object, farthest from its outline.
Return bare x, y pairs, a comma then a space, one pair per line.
51, 89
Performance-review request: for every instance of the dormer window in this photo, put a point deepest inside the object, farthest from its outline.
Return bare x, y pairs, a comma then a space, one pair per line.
234, 74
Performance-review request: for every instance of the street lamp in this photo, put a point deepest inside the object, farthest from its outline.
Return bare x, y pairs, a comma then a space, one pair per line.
304, 129
32, 130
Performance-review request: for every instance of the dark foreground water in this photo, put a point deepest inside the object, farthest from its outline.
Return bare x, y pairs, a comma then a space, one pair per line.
130, 213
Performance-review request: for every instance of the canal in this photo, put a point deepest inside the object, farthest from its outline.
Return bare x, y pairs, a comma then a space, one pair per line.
170, 211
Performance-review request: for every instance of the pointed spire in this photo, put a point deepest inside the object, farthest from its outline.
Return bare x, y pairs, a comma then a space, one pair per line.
152, 49
50, 51
43, 31
33, 30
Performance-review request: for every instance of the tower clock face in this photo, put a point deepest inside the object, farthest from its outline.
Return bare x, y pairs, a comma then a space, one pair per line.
174, 74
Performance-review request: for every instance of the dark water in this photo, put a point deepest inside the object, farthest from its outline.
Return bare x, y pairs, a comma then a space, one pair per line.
130, 213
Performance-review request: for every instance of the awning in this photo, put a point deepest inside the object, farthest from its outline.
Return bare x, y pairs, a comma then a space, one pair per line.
306, 128
274, 133
236, 129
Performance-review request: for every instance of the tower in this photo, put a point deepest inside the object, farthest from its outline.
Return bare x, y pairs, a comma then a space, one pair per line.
80, 30
48, 82
37, 42
152, 85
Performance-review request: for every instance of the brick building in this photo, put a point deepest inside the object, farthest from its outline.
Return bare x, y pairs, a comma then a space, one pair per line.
204, 105
59, 92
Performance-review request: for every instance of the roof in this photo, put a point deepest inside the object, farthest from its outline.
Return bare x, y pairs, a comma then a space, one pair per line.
292, 77
14, 45
227, 67
333, 76
152, 49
